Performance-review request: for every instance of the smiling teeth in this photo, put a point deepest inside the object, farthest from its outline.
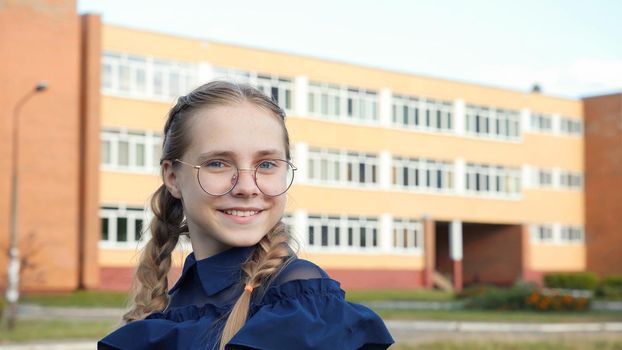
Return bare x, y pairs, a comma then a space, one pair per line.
241, 213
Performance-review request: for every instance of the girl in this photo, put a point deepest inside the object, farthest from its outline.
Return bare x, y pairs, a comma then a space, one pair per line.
226, 167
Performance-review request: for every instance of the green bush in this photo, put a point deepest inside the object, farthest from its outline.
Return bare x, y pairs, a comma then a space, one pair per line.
495, 298
572, 280
611, 287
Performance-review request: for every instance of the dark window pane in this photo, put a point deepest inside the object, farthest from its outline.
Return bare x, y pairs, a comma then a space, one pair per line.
405, 115
350, 237
337, 236
138, 228
375, 237
439, 179
373, 173
105, 229
361, 172
350, 110
416, 116
311, 238
405, 176
121, 229
324, 235
275, 93
363, 237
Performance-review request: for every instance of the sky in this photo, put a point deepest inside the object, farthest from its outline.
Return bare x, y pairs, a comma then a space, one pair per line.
571, 48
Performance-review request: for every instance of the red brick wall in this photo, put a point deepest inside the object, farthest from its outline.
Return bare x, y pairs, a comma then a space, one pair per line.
40, 41
603, 183
120, 278
492, 253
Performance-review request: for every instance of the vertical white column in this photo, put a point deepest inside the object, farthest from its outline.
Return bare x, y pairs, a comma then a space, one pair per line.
459, 176
385, 170
455, 240
206, 72
556, 122
300, 228
459, 117
301, 160
386, 98
556, 174
557, 232
301, 95
525, 119
527, 175
386, 232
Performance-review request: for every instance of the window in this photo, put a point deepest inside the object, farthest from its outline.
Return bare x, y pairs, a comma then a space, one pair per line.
571, 180
146, 76
343, 102
544, 178
492, 122
542, 233
280, 89
571, 234
571, 126
136, 151
342, 232
121, 224
422, 174
407, 235
541, 122
422, 113
493, 180
342, 167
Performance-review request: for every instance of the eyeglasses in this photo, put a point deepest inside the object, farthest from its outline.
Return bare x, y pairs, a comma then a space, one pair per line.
273, 177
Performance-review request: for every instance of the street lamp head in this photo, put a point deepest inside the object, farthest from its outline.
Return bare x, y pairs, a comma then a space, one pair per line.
41, 86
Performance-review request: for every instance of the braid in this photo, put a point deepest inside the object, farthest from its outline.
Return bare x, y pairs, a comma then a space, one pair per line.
150, 282
271, 252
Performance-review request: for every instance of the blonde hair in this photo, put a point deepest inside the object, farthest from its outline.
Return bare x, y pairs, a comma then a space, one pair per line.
150, 283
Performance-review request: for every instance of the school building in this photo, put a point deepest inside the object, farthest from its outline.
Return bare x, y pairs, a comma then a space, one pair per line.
404, 181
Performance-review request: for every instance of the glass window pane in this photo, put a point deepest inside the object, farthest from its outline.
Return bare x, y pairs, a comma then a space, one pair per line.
138, 228
121, 229
140, 154
105, 152
124, 153
105, 229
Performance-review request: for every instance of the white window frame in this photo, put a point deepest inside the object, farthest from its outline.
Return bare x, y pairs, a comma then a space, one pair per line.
147, 138
502, 124
131, 214
417, 110
495, 180
343, 223
413, 230
324, 164
264, 82
187, 73
420, 169
332, 101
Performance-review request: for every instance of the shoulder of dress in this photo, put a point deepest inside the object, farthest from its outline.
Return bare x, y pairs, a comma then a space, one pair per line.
299, 269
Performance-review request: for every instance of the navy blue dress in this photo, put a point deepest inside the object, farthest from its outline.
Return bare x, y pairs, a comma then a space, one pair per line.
302, 308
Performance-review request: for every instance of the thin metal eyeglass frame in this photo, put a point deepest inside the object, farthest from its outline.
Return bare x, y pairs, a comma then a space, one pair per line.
237, 177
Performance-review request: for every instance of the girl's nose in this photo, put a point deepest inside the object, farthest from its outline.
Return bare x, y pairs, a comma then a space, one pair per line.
246, 184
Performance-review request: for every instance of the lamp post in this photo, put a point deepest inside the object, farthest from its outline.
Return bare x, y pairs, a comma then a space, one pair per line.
12, 289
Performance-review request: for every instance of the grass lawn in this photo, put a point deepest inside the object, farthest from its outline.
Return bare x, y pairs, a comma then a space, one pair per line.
512, 345
79, 298
31, 330
502, 316
361, 296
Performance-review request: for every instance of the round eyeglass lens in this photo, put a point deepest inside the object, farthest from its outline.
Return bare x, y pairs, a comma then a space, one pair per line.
274, 177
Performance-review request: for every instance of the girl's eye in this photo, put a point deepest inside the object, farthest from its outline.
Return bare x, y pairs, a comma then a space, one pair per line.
215, 164
267, 165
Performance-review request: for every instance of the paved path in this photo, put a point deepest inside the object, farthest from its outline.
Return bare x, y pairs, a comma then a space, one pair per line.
411, 331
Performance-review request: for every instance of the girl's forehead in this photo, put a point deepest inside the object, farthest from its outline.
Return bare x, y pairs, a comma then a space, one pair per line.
241, 130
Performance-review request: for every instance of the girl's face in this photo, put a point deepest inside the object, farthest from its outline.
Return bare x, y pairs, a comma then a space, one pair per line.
241, 134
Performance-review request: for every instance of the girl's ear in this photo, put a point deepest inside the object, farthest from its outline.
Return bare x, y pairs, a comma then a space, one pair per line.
170, 179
